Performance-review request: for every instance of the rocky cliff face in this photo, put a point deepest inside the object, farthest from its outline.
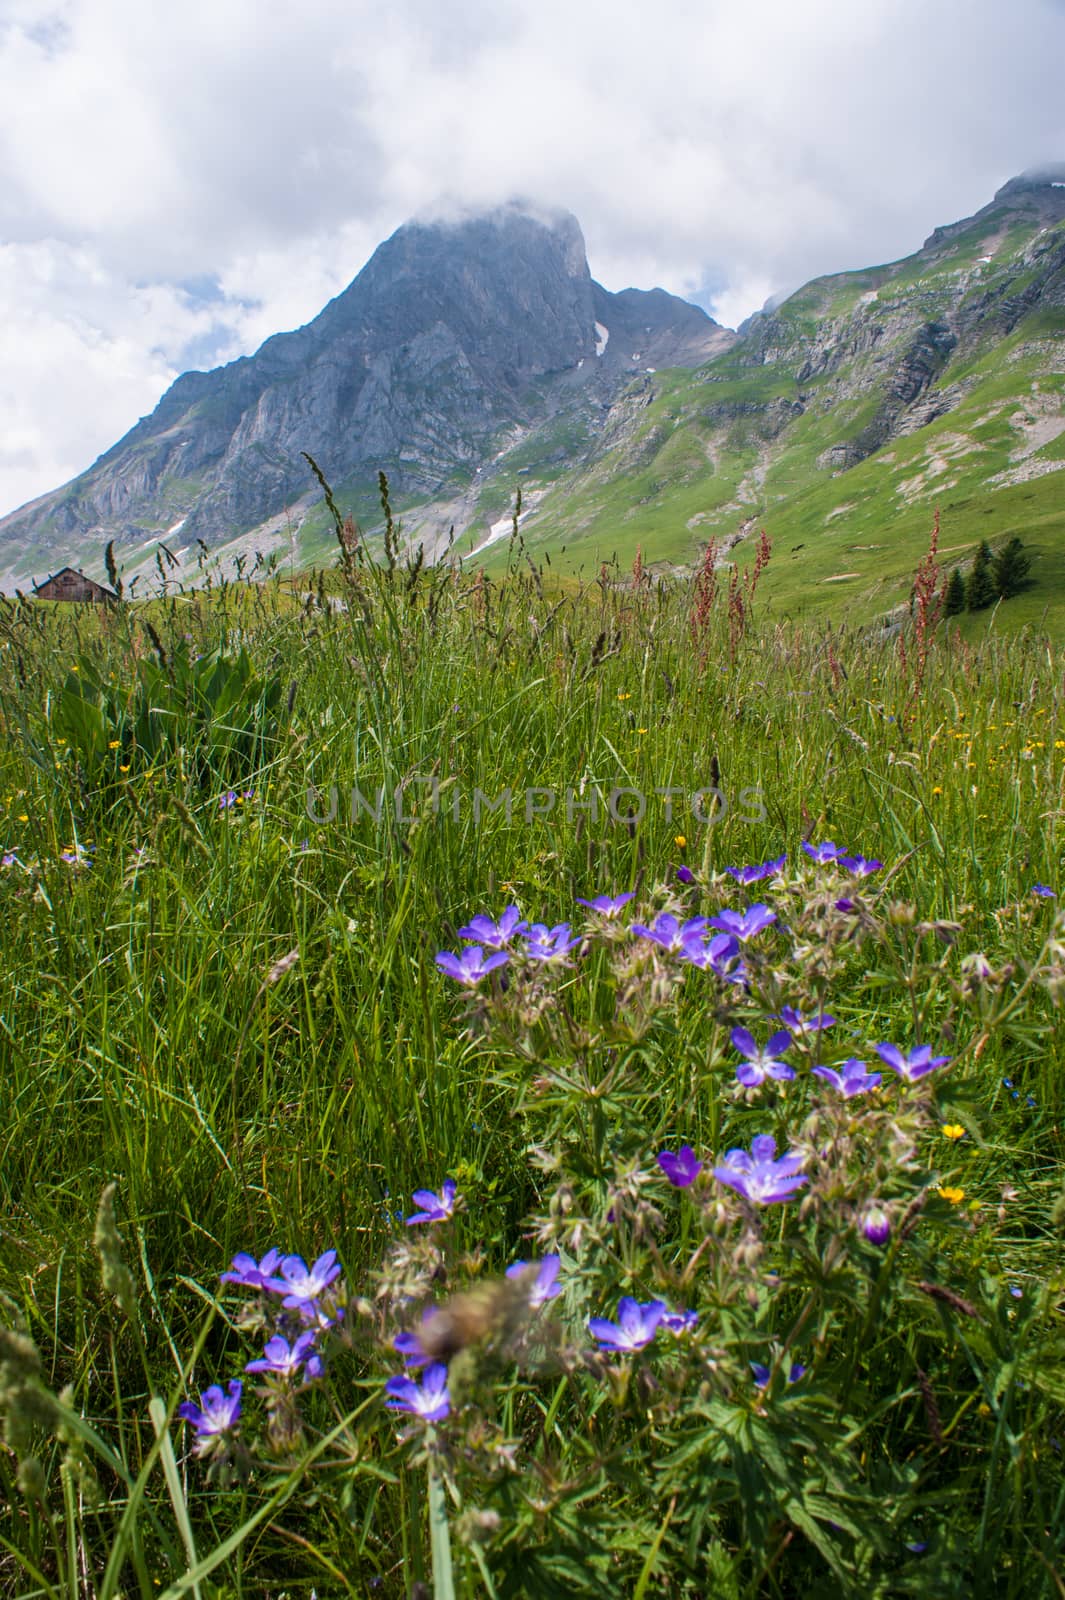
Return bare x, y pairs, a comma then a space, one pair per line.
451, 334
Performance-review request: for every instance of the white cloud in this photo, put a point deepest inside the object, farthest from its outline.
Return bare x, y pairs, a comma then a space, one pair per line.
269, 149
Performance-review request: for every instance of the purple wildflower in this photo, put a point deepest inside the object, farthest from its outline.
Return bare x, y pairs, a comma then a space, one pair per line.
721, 955
799, 1025
744, 925
410, 1346
607, 905
859, 866
1043, 891
216, 1414
766, 869
919, 1061
669, 933
762, 1374
757, 1176
685, 875
252, 1274
850, 1078
483, 931
285, 1360
313, 1315
876, 1223
823, 853
760, 1062
636, 1325
471, 965
79, 855
681, 1169
679, 1322
9, 859
545, 1285
430, 1401
299, 1283
435, 1207
549, 944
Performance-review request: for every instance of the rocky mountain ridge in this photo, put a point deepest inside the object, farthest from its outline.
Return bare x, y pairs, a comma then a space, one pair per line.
473, 359
451, 335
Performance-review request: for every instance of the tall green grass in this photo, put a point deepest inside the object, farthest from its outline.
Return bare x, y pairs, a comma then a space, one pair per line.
143, 1040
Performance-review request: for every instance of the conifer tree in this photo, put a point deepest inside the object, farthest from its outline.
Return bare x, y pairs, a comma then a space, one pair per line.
955, 597
1011, 568
980, 590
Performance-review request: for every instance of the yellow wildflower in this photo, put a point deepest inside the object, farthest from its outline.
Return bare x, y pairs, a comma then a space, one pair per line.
952, 1130
680, 841
115, 744
955, 1196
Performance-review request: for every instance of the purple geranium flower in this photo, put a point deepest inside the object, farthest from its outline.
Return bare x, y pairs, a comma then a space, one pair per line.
859, 866
850, 1078
743, 925
679, 1322
483, 931
430, 1400
549, 944
669, 933
762, 1374
1043, 891
823, 853
766, 869
299, 1283
636, 1325
217, 1413
607, 905
545, 1285
757, 1176
685, 875
721, 955
919, 1061
410, 1346
435, 1207
799, 1025
9, 859
681, 1169
286, 1360
876, 1223
313, 1315
471, 965
761, 1062
252, 1274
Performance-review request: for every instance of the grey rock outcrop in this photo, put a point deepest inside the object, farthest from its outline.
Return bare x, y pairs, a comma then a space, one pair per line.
452, 333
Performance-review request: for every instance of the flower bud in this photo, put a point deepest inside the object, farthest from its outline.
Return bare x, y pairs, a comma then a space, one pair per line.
876, 1224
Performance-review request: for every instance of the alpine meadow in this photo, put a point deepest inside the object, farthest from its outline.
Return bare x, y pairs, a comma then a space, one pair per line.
531, 996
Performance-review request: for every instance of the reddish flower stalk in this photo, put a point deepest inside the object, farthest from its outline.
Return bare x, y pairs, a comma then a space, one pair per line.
703, 597
926, 608
761, 561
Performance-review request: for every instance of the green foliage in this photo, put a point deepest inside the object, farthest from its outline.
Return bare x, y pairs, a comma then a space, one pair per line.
212, 711
980, 590
1011, 569
235, 1015
954, 599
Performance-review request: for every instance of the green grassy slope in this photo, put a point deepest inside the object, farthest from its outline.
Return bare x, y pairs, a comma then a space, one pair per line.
759, 436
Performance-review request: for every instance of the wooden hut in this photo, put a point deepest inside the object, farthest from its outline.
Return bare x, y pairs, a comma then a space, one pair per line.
66, 584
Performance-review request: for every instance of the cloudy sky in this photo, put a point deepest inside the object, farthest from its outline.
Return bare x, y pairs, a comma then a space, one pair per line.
177, 182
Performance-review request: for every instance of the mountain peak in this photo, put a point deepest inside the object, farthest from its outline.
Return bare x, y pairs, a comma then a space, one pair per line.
1050, 175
